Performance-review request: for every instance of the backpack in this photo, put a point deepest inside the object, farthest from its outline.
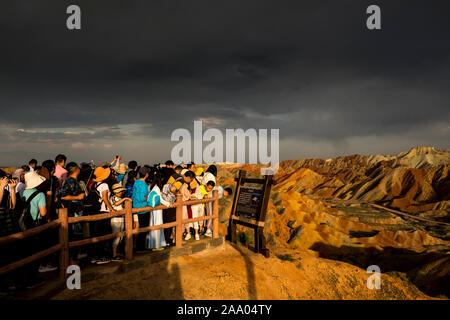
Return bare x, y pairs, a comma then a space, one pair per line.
93, 201
166, 194
26, 221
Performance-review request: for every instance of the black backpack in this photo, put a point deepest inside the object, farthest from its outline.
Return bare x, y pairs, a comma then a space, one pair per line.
26, 221
92, 203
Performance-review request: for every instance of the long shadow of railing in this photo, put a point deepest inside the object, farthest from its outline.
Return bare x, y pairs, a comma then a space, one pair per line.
250, 268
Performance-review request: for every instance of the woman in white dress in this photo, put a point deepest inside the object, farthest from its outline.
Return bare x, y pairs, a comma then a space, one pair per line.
155, 238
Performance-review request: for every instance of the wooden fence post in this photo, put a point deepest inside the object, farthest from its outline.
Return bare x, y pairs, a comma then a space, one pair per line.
215, 212
129, 231
64, 241
179, 227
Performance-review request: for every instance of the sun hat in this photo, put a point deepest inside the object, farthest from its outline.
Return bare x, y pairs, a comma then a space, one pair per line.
122, 168
101, 173
199, 171
17, 173
116, 188
32, 180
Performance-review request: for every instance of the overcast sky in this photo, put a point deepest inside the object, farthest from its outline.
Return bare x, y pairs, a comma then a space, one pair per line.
137, 70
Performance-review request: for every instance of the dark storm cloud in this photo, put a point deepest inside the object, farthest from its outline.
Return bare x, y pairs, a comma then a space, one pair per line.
310, 68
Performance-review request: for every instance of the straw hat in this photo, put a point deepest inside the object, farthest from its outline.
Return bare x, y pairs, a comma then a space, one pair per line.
122, 168
116, 188
33, 179
101, 173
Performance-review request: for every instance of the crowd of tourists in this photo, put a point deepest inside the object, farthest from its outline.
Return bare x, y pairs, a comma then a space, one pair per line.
33, 195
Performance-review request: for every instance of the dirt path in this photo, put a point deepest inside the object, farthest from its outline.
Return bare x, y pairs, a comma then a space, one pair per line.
236, 273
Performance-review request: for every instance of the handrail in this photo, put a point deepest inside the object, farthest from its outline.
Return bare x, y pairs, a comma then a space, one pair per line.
96, 217
110, 236
63, 223
29, 233
27, 260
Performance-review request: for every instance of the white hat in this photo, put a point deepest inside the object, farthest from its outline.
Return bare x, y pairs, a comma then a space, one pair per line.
17, 173
33, 179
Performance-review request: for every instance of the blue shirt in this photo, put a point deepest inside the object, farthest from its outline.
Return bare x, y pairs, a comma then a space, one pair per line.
154, 199
37, 202
140, 193
120, 177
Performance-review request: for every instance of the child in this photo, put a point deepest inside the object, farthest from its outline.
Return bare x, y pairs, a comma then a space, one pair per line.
206, 193
117, 223
197, 210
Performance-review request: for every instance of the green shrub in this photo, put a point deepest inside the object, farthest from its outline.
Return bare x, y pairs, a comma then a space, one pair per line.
245, 237
285, 257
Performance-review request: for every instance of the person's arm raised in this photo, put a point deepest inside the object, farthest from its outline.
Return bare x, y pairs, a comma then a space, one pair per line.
3, 184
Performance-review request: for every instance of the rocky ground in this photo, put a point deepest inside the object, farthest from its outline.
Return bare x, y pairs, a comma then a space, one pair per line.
234, 272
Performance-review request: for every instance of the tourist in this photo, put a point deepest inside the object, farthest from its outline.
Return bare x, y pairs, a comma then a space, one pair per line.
10, 252
71, 192
155, 238
7, 204
191, 166
178, 169
140, 197
32, 164
50, 237
37, 208
223, 192
169, 194
19, 176
170, 164
38, 204
132, 167
131, 178
210, 175
102, 227
117, 223
206, 191
114, 165
49, 187
190, 193
121, 171
60, 172
72, 196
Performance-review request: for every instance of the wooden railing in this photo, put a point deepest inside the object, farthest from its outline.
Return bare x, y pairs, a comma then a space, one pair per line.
63, 222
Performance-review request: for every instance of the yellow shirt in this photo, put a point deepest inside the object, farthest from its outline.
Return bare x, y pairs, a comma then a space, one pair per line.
204, 192
177, 184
